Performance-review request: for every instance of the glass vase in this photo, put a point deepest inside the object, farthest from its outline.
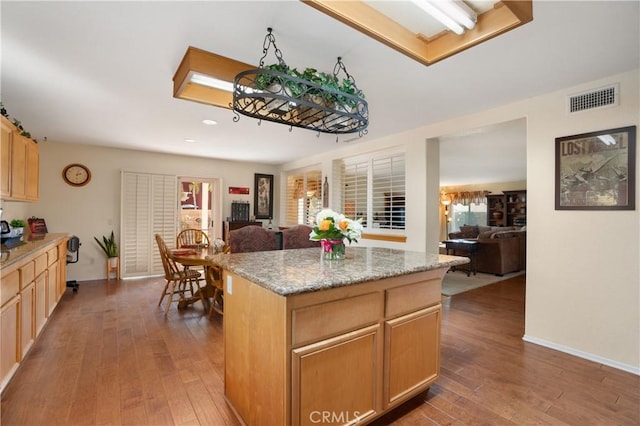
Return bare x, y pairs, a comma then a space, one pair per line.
332, 249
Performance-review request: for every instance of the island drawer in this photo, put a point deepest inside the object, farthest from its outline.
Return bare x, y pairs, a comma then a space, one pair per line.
412, 297
317, 322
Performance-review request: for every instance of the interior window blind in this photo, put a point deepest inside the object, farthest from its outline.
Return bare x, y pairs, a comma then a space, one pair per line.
354, 189
388, 191
149, 207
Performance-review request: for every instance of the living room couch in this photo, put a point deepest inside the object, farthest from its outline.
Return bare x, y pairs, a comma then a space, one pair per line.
501, 249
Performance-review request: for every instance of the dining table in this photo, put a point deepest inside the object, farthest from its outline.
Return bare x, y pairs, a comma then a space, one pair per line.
199, 256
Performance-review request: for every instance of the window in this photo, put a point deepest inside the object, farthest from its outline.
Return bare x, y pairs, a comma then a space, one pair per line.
354, 189
472, 214
304, 197
373, 188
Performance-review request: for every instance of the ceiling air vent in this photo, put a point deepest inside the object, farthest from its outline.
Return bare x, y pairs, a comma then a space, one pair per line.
598, 98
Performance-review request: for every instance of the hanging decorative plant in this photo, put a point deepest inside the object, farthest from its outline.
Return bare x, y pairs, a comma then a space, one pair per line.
309, 98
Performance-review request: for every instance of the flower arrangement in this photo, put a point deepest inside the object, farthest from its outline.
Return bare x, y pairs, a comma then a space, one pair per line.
335, 226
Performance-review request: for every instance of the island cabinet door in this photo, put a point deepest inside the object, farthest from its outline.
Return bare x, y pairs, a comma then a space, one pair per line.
337, 380
412, 354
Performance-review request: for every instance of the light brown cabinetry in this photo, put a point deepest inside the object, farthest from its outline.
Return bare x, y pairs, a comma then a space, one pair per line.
20, 165
5, 157
9, 337
336, 356
29, 294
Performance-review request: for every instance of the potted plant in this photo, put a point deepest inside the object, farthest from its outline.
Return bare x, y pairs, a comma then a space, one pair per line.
108, 245
17, 226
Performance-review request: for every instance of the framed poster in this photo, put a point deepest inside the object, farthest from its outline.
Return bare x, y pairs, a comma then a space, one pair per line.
263, 196
597, 170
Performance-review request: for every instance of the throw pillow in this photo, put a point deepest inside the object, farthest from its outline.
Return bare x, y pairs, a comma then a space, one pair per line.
469, 231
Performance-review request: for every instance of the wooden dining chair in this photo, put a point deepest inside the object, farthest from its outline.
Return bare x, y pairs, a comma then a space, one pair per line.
179, 281
192, 238
213, 276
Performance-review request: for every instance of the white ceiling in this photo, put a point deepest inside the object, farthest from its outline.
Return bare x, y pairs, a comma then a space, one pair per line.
100, 73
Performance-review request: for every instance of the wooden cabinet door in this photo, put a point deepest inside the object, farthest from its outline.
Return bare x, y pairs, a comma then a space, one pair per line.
5, 166
412, 354
9, 339
52, 288
40, 312
33, 171
19, 167
336, 381
27, 317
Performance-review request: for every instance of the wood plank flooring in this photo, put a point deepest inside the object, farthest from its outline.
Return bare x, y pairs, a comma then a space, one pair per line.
109, 356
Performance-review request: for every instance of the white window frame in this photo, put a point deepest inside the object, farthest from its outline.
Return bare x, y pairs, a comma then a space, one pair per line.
397, 188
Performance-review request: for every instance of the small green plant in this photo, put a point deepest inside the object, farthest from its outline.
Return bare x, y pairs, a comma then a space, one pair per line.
18, 223
108, 245
263, 81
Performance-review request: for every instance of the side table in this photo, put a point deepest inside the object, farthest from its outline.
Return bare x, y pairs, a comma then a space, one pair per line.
468, 248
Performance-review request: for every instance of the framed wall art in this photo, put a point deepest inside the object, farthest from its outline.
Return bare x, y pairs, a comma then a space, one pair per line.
263, 196
597, 170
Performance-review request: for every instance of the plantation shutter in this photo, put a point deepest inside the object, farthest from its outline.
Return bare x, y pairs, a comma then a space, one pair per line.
388, 191
149, 207
313, 202
354, 189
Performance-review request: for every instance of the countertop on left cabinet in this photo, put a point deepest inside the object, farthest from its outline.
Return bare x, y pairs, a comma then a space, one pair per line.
28, 248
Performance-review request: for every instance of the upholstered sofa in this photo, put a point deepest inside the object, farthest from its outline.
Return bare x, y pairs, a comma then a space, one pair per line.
501, 250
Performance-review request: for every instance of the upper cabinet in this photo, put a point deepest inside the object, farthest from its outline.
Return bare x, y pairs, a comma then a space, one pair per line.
20, 165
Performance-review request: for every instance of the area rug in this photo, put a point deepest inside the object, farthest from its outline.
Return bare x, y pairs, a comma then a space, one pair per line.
457, 282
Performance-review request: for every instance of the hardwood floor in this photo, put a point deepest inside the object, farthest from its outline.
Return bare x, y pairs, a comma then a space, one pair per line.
109, 356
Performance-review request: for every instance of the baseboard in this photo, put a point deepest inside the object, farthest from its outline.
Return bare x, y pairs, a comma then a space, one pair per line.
586, 355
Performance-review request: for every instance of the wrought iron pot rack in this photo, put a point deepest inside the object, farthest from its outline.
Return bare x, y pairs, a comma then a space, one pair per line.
298, 102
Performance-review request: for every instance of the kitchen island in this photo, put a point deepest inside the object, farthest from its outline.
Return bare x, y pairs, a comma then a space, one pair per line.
311, 341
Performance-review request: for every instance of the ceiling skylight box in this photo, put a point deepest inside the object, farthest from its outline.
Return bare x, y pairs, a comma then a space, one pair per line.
206, 77
427, 48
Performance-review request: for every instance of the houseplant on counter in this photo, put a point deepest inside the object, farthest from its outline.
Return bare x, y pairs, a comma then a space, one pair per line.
331, 230
17, 225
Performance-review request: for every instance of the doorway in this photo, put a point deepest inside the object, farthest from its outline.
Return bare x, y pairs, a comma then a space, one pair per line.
200, 205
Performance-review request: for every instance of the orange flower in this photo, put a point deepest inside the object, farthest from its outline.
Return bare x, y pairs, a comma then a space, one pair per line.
324, 225
343, 225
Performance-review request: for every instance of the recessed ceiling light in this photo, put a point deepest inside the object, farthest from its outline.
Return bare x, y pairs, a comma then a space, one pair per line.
189, 140
210, 122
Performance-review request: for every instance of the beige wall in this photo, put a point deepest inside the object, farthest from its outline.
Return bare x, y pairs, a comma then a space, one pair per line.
583, 269
94, 210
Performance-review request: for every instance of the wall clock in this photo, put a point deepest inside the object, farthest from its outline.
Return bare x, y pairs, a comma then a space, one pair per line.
76, 174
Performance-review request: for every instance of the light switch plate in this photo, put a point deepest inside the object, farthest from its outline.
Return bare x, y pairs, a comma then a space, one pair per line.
229, 284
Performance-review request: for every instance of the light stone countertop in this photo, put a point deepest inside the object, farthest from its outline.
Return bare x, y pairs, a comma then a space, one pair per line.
30, 245
288, 272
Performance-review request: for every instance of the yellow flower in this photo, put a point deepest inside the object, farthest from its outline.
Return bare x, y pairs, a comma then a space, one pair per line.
343, 225
324, 225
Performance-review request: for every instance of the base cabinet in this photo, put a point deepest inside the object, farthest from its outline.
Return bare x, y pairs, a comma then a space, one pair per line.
29, 293
347, 365
9, 337
344, 355
410, 364
27, 326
